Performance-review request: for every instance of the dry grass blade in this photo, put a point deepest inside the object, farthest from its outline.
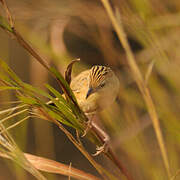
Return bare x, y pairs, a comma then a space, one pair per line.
16, 124
11, 102
51, 166
13, 115
140, 81
69, 70
149, 71
11, 110
9, 149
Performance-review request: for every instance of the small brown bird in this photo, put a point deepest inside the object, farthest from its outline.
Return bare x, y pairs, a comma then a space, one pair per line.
96, 89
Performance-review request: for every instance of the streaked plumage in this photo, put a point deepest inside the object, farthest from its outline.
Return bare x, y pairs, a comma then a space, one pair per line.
95, 89
98, 74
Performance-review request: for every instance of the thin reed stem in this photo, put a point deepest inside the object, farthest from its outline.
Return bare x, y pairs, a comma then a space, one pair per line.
139, 80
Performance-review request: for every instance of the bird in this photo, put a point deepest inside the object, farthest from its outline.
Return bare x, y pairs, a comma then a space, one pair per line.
95, 89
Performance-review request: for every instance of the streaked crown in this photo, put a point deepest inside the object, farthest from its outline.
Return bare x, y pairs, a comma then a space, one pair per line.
98, 74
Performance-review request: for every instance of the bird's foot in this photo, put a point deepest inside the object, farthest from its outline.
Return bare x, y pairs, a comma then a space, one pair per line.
88, 127
102, 149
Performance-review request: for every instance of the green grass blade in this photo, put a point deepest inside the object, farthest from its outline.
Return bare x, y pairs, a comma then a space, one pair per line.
2, 88
56, 114
64, 83
56, 93
10, 72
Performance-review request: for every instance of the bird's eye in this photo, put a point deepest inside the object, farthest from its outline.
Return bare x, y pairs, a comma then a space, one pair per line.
102, 85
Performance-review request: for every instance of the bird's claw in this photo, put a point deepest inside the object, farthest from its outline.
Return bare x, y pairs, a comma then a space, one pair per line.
88, 127
101, 149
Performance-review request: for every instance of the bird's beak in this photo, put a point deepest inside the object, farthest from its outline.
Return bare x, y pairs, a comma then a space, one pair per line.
90, 91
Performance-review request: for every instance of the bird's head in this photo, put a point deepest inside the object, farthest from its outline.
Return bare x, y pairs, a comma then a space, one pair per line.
101, 79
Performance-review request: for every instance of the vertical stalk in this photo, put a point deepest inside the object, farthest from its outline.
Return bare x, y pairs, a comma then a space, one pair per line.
140, 82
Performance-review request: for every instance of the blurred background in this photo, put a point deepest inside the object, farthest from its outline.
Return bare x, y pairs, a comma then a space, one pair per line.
64, 30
